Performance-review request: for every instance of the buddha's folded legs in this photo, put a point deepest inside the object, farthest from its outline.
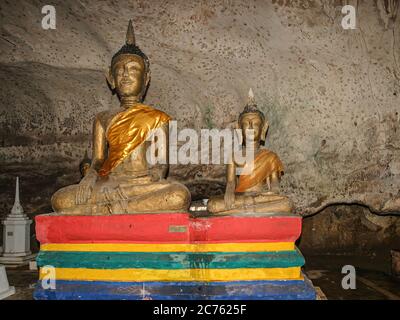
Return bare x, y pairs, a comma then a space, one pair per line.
262, 203
171, 197
65, 198
156, 197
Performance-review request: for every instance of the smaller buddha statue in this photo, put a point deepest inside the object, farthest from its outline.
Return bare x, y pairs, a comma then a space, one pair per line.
84, 165
256, 189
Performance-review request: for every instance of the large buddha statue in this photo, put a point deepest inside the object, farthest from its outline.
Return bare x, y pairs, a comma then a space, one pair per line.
120, 180
256, 189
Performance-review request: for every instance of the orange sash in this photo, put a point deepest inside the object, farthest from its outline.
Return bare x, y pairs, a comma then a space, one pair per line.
265, 163
127, 130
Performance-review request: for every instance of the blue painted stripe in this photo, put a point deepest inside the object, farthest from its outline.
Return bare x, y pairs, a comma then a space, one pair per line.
259, 290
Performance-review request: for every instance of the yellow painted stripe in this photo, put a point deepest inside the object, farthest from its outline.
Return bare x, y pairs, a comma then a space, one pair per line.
138, 275
173, 247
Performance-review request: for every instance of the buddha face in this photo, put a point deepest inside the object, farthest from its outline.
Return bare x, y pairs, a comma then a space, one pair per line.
251, 121
128, 76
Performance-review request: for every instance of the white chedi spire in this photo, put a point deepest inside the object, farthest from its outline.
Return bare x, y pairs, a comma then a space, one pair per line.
17, 209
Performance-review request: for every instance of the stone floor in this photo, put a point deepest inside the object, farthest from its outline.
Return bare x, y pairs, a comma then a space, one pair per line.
325, 272
23, 280
373, 279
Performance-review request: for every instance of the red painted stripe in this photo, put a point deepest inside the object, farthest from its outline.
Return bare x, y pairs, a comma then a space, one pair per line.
83, 229
162, 228
246, 229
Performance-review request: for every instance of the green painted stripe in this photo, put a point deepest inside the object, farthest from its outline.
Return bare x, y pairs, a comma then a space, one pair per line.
170, 260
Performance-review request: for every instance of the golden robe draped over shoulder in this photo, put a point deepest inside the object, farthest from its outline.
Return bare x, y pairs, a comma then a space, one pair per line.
127, 130
265, 163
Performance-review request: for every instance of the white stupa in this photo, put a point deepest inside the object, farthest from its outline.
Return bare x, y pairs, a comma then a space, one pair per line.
16, 235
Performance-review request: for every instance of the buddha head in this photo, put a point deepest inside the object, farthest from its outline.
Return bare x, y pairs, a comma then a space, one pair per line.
252, 122
129, 73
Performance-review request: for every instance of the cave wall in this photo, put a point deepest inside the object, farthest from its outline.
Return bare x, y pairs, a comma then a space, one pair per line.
331, 95
350, 229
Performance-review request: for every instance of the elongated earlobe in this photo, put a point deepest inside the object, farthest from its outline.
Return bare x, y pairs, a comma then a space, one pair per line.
146, 85
264, 130
147, 81
110, 78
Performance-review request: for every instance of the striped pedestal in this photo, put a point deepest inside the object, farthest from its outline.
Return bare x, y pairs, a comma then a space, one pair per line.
171, 256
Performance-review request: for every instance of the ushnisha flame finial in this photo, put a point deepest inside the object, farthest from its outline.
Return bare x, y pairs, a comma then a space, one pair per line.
251, 106
130, 47
130, 34
251, 96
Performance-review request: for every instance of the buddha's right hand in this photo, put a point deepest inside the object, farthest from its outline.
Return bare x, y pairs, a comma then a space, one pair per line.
229, 197
85, 188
